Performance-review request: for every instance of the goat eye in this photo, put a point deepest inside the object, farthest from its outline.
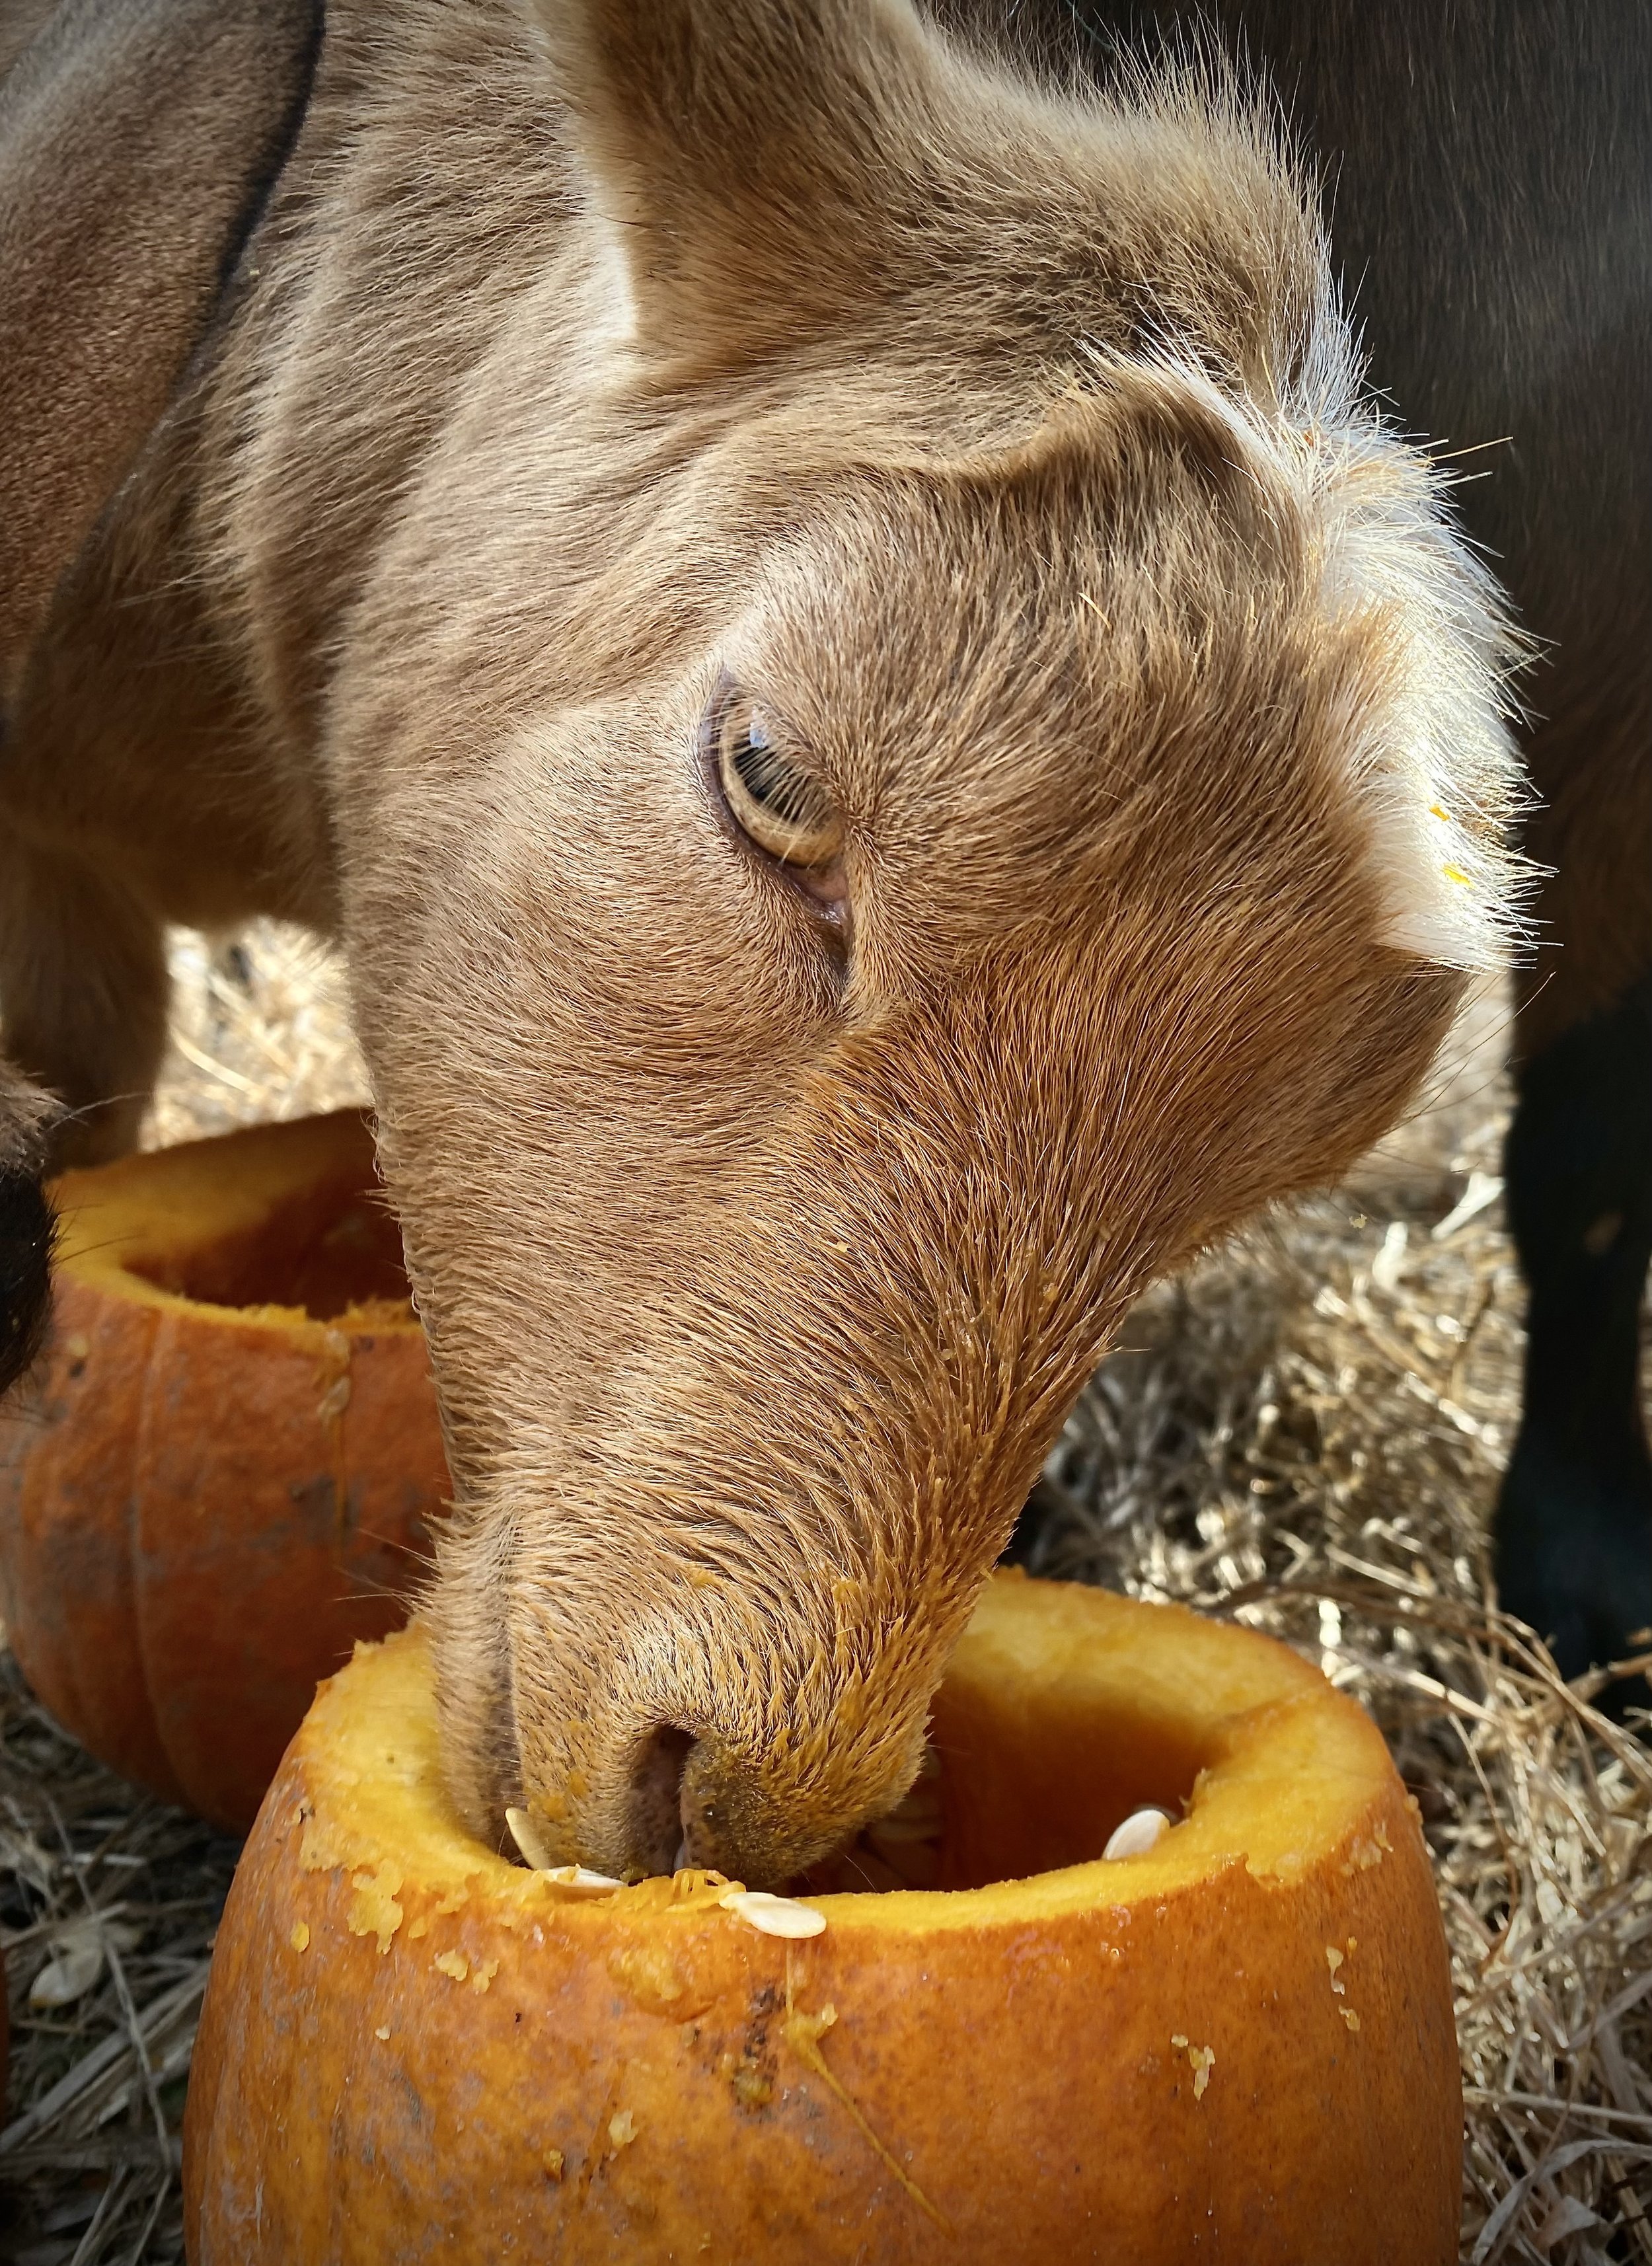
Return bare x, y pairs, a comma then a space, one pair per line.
774, 803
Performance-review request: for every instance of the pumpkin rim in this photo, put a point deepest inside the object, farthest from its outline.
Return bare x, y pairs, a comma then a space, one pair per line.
183, 1199
1283, 1744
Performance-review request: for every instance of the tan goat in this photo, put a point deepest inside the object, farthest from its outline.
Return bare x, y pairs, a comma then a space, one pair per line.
892, 744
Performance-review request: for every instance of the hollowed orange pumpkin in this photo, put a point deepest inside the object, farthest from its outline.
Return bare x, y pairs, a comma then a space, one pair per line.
1239, 2045
224, 1471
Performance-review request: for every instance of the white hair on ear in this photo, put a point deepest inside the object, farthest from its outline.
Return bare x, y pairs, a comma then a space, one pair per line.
613, 297
1438, 769
1435, 764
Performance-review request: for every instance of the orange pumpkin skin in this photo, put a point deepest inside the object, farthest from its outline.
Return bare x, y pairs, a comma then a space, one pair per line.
410, 2048
204, 1505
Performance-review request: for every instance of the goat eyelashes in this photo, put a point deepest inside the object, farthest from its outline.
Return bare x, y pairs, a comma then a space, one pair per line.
770, 801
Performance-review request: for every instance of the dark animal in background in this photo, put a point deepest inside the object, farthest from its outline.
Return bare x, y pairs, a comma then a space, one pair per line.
892, 744
25, 1224
1489, 178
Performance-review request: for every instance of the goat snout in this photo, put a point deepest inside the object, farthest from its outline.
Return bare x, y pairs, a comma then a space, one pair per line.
682, 1801
732, 1824
691, 1805
689, 1742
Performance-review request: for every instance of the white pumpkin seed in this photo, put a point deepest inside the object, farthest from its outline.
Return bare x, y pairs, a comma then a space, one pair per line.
78, 1949
580, 1879
525, 1834
67, 1977
1140, 1832
772, 1915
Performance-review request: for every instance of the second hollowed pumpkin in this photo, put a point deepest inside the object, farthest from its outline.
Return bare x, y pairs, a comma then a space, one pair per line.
225, 1470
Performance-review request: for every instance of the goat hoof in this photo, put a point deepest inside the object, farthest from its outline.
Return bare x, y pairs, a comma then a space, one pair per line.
1573, 1554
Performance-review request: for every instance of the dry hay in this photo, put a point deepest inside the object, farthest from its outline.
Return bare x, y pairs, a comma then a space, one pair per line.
112, 1899
260, 1029
1306, 1433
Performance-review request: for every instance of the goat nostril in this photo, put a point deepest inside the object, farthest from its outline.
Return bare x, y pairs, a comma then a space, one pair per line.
656, 1797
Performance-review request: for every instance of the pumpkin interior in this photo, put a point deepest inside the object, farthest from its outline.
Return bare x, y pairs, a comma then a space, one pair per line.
281, 1218
1062, 1713
1039, 1787
327, 1249
1057, 1720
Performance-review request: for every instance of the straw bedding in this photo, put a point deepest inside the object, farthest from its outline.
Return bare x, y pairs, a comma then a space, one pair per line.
1306, 1433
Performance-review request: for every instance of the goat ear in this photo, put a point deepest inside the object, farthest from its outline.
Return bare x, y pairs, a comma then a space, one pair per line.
740, 153
137, 141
